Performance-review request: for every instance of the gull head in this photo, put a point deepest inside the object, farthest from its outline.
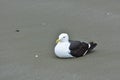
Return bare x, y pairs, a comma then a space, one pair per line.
63, 37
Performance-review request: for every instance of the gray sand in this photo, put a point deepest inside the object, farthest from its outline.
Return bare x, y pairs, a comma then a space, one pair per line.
39, 22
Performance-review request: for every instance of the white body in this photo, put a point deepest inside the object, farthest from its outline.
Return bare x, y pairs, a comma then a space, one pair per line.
62, 50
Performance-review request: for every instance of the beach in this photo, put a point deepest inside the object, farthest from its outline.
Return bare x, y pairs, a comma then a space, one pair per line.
29, 28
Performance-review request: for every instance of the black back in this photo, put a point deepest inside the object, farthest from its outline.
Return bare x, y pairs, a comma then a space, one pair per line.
78, 48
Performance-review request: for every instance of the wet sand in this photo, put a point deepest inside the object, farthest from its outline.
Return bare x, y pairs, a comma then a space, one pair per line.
30, 27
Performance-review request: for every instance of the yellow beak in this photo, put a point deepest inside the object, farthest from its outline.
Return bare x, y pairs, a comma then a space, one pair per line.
58, 40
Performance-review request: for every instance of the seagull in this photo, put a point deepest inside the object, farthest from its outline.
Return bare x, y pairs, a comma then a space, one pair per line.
66, 48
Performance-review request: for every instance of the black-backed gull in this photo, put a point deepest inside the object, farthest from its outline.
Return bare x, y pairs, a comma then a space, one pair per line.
66, 48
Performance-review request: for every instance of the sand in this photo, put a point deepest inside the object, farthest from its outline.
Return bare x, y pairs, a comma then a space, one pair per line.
29, 28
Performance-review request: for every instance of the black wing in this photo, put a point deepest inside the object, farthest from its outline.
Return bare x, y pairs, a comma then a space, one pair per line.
74, 45
78, 48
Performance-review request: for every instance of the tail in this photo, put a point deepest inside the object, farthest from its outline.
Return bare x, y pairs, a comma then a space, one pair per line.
92, 46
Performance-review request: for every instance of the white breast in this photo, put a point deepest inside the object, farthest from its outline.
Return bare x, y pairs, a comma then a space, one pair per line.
62, 50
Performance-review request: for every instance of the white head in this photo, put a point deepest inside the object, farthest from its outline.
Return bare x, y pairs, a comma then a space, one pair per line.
63, 37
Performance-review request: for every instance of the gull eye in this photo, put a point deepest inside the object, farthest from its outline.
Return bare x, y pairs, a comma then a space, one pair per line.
64, 37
